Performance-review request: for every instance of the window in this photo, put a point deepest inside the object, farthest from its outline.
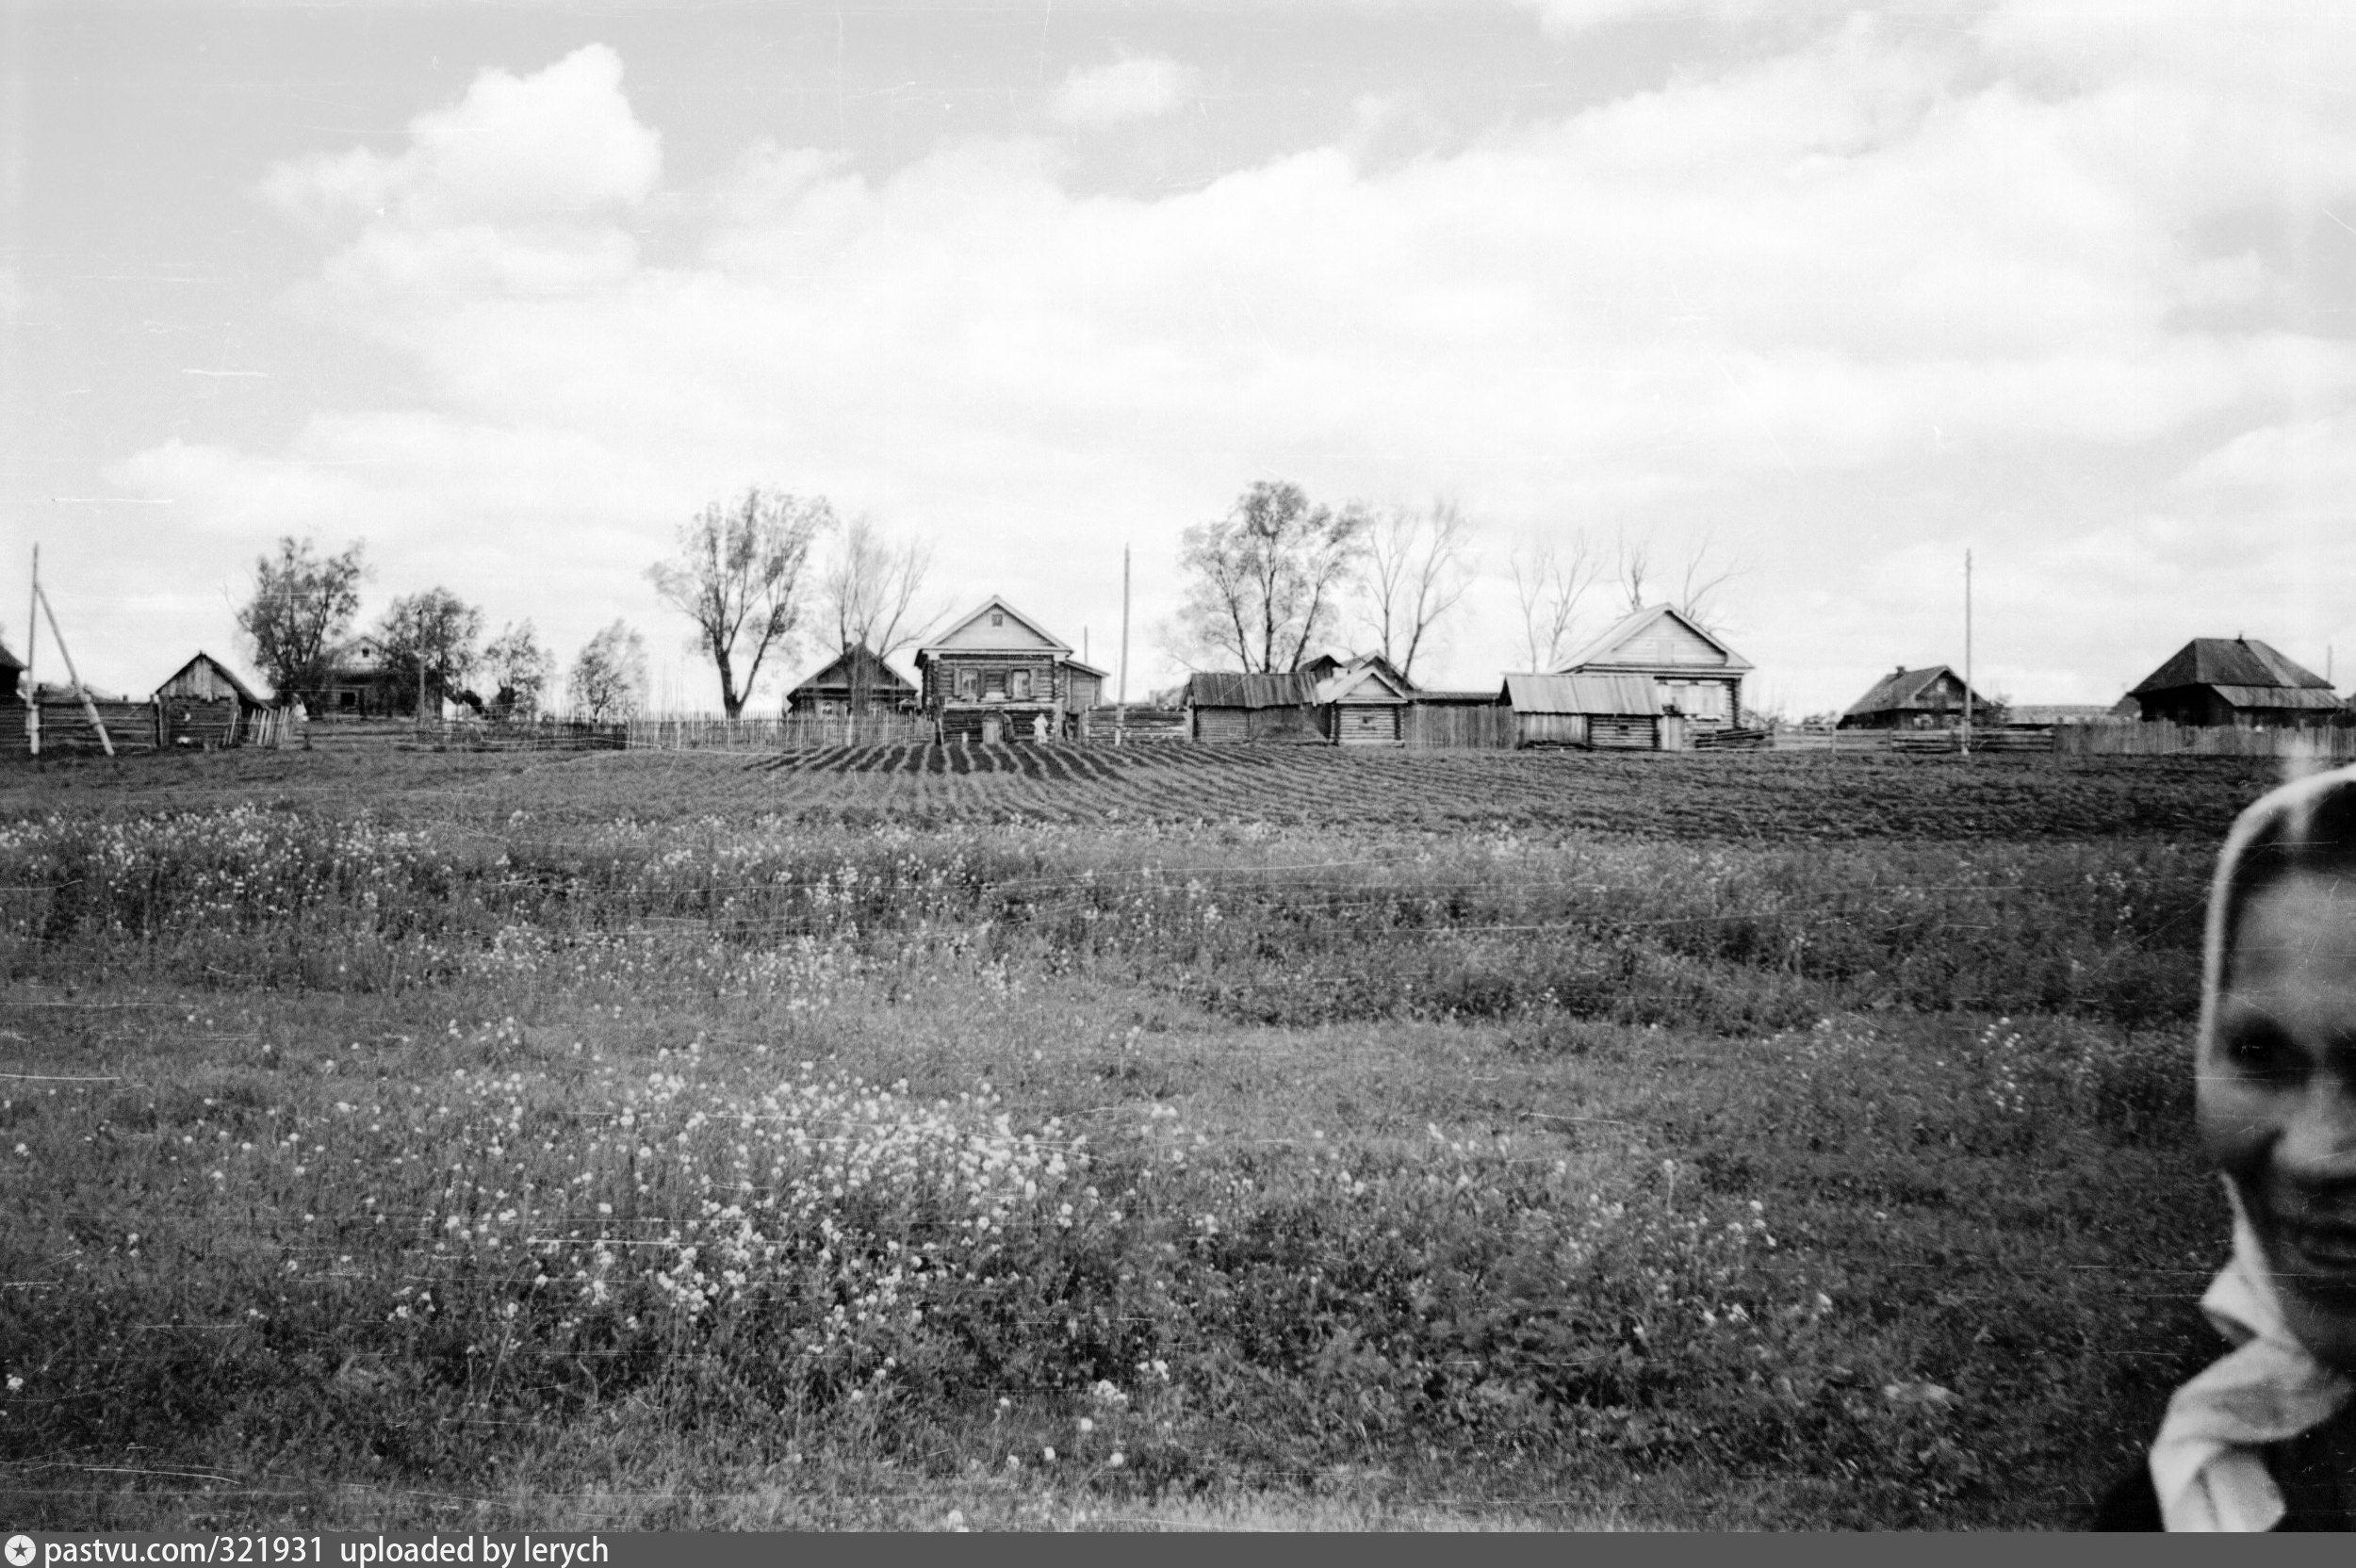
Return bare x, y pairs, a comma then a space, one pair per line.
1019, 685
998, 617
965, 680
993, 685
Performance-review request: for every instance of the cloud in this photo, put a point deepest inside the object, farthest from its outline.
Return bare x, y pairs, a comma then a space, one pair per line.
1137, 87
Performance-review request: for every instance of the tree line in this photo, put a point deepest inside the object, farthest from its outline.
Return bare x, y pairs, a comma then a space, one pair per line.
1264, 588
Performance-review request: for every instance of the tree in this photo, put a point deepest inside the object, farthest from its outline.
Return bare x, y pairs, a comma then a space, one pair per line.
870, 588
1698, 575
517, 668
609, 678
1413, 573
1550, 576
429, 643
301, 607
739, 575
1265, 581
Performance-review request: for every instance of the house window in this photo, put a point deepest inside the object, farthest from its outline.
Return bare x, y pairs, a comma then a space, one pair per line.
965, 680
993, 685
997, 617
1019, 685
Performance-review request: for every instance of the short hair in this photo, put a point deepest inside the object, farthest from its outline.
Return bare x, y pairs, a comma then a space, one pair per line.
2308, 825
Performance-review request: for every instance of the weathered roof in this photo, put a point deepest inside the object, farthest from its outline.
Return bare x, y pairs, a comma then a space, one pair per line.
2229, 662
952, 640
1367, 679
1603, 649
1232, 688
1902, 690
1085, 669
244, 691
836, 676
1613, 696
2319, 699
1455, 699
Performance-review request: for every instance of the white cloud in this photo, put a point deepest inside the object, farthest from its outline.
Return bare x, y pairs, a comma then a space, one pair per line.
1137, 87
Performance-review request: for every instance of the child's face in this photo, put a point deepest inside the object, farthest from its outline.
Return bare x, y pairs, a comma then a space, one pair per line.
2277, 1098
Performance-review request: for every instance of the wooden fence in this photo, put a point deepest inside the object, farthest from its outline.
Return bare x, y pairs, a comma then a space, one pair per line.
66, 731
1430, 725
2133, 738
699, 732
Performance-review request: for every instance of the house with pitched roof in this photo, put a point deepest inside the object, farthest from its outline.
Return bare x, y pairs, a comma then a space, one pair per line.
855, 681
2235, 681
1698, 678
1928, 698
996, 673
202, 703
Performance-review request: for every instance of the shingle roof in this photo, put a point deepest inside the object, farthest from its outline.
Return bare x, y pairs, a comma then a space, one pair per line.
1233, 688
2229, 662
1903, 689
1616, 695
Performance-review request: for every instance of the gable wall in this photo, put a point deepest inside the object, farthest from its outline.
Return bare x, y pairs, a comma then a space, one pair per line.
1664, 642
979, 633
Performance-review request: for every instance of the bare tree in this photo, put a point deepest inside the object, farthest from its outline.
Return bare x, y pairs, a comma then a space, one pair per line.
740, 575
871, 587
1265, 581
1699, 573
609, 678
1552, 574
302, 604
1413, 572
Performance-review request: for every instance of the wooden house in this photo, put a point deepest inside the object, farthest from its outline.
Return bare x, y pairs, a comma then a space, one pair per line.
997, 675
205, 704
1929, 699
1699, 678
856, 681
360, 683
2235, 681
1225, 707
1621, 712
1364, 702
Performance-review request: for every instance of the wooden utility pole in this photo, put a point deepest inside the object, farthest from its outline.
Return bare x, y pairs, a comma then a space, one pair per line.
1967, 653
1120, 724
32, 636
76, 675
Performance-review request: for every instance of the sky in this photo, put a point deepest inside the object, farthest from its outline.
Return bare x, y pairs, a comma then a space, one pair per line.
1827, 295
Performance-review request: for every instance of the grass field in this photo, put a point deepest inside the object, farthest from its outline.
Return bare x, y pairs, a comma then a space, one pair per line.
1167, 1138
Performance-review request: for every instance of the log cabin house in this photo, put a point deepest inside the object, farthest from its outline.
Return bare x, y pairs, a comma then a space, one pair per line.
203, 704
1365, 702
2235, 681
856, 681
997, 675
1698, 679
1620, 713
1928, 698
1225, 707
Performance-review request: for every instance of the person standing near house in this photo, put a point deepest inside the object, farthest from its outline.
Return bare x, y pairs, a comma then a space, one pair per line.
2265, 1437
1039, 726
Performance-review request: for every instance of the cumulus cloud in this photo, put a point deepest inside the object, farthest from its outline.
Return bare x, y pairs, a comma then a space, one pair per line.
1137, 87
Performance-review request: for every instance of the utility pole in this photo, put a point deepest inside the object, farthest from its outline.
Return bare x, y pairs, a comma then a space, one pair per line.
74, 675
1120, 724
1967, 653
32, 636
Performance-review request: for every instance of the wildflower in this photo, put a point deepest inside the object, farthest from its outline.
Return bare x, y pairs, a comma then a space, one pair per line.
1087, 1425
1118, 1459
15, 1382
1047, 1455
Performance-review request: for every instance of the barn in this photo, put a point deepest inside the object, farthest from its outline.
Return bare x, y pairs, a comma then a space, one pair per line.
1227, 706
1620, 713
857, 680
1366, 703
1699, 677
2235, 681
205, 705
1928, 698
998, 674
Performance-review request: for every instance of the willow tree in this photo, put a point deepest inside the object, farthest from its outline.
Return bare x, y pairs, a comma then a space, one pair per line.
1265, 582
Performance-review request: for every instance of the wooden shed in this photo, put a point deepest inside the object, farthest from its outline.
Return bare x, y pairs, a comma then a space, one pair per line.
1698, 679
1366, 702
856, 681
1226, 706
1928, 698
1604, 711
2235, 681
205, 705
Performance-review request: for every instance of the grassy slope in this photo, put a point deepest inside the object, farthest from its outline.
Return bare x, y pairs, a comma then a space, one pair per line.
2009, 1215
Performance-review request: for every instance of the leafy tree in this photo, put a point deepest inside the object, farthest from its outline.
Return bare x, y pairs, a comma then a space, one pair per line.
609, 678
1265, 583
429, 643
301, 607
739, 575
517, 668
1413, 573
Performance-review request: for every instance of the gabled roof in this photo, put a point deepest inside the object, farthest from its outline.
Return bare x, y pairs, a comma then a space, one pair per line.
1612, 695
1602, 651
1902, 689
229, 675
1232, 688
1368, 678
2229, 662
948, 641
839, 673
1085, 669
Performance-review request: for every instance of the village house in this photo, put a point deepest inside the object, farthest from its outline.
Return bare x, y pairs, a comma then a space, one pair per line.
997, 675
1928, 698
856, 681
1621, 712
1698, 678
1365, 702
2235, 681
1224, 706
205, 704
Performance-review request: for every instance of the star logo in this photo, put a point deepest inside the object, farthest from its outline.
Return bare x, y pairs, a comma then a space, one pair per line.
20, 1551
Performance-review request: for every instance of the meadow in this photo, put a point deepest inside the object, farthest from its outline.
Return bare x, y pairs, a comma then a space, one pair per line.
1066, 1138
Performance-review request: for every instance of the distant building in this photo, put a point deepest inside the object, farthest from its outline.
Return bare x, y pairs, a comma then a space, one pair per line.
1621, 712
1928, 698
1365, 702
358, 682
1227, 706
1698, 678
997, 675
2235, 681
205, 704
856, 681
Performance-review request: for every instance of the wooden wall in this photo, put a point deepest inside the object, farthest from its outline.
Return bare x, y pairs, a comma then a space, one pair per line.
65, 728
193, 722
